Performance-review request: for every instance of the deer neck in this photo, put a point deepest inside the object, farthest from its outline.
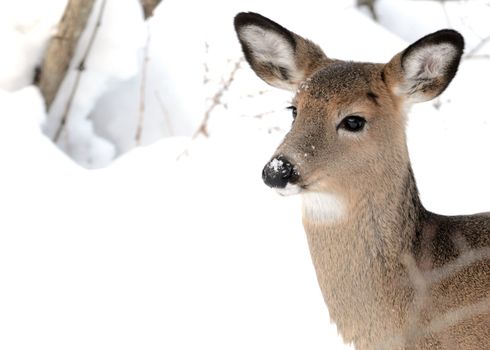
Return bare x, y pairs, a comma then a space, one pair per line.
356, 253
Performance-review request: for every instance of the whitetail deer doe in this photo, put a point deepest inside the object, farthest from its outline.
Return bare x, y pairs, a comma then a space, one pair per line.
393, 275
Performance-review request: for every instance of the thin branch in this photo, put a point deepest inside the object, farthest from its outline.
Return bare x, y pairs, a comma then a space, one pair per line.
146, 59
474, 50
444, 9
262, 114
477, 57
216, 101
206, 78
80, 69
148, 9
166, 118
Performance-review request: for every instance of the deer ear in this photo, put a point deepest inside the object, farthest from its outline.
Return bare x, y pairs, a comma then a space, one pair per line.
424, 69
277, 55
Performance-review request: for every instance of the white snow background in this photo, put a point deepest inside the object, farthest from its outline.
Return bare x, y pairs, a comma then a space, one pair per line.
159, 250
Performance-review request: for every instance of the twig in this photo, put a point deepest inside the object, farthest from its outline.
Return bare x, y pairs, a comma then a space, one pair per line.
146, 59
474, 50
476, 57
168, 122
216, 101
261, 115
444, 9
148, 9
80, 69
206, 67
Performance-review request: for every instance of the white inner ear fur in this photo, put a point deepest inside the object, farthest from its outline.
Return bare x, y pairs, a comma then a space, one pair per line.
322, 207
268, 46
429, 62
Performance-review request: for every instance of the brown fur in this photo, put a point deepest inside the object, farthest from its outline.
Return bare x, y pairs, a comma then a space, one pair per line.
394, 275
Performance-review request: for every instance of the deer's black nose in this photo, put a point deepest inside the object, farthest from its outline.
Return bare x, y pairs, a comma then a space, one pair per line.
278, 172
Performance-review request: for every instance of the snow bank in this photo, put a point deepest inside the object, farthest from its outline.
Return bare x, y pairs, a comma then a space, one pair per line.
150, 253
174, 83
25, 28
114, 58
402, 17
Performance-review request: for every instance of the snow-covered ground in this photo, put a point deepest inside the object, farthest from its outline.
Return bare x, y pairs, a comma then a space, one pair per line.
179, 245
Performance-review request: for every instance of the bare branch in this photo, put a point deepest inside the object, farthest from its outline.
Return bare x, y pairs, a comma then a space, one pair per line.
206, 78
474, 51
168, 122
446, 14
216, 101
146, 59
476, 57
80, 69
61, 48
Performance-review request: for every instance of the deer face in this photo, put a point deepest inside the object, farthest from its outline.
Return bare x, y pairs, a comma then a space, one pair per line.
348, 130
341, 134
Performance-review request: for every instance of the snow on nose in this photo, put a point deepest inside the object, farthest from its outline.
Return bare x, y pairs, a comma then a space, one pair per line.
279, 172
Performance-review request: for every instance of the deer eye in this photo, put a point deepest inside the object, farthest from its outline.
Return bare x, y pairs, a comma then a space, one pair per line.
294, 111
352, 123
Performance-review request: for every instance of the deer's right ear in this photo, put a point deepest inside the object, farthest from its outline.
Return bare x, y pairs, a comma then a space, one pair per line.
278, 56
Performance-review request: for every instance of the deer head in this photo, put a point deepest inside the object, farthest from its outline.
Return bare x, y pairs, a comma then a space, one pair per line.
348, 133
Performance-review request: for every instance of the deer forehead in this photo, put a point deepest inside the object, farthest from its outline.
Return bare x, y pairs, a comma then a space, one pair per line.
341, 82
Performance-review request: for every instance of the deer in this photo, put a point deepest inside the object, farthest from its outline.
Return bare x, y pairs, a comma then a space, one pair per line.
393, 275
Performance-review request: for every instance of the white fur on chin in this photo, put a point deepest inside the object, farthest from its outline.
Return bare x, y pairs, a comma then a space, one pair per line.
289, 190
322, 207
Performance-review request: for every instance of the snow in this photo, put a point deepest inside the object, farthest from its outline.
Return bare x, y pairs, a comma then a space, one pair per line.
468, 17
152, 252
115, 57
275, 164
24, 34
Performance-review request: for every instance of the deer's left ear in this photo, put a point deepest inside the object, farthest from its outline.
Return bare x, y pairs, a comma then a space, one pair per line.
424, 69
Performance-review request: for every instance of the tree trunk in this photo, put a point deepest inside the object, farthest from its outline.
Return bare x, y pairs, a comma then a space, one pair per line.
370, 5
149, 6
62, 47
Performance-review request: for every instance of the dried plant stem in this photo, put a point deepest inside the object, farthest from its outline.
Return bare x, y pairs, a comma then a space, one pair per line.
148, 9
80, 69
144, 70
473, 52
168, 122
216, 101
